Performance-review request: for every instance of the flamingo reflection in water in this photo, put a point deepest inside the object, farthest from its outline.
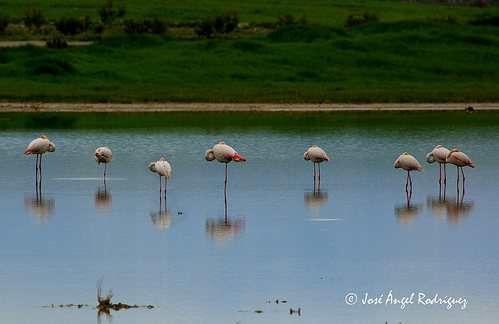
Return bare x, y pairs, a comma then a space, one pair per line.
163, 219
407, 213
315, 200
455, 210
223, 153
224, 230
39, 208
408, 163
316, 155
103, 200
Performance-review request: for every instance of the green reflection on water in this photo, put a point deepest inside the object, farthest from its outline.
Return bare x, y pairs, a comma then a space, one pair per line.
287, 120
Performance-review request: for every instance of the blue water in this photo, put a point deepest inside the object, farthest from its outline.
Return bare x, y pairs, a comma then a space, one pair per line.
282, 247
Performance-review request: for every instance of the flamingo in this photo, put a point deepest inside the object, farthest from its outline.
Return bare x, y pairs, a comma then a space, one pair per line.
38, 147
162, 168
408, 163
103, 155
439, 154
316, 155
460, 160
224, 154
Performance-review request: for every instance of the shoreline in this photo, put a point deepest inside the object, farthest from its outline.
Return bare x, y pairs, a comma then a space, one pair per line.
239, 107
40, 43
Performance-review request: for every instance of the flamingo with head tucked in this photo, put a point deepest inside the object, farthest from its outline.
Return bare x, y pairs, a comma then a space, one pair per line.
103, 155
408, 163
163, 168
439, 154
223, 153
316, 155
460, 160
38, 147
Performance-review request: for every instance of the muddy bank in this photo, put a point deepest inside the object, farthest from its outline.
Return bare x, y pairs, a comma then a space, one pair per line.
166, 107
38, 43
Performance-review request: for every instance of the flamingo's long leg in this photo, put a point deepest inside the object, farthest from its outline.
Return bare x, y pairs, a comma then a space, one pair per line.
225, 188
40, 166
225, 192
36, 169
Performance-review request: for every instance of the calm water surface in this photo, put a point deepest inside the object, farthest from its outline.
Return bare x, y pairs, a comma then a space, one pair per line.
281, 240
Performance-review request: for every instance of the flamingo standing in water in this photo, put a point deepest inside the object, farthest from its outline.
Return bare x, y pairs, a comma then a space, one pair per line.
38, 147
162, 168
460, 160
224, 154
439, 154
103, 155
316, 155
408, 163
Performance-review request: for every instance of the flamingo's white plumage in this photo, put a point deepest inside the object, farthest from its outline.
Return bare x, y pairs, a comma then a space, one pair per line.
163, 168
223, 153
408, 163
439, 154
316, 155
459, 159
38, 147
103, 155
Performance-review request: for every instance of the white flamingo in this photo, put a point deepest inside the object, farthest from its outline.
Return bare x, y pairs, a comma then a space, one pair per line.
223, 153
316, 155
103, 155
460, 160
163, 168
38, 147
439, 154
408, 163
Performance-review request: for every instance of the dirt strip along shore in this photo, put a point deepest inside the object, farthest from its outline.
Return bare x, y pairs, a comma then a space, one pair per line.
178, 107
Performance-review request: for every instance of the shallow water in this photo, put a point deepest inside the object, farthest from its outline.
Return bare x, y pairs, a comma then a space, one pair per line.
283, 245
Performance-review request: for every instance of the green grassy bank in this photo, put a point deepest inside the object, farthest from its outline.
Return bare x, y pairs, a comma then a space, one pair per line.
403, 57
323, 12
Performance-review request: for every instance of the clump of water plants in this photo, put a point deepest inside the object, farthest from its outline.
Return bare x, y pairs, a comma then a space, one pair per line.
105, 304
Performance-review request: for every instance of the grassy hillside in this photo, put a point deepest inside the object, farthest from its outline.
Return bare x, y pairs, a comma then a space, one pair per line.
400, 58
323, 12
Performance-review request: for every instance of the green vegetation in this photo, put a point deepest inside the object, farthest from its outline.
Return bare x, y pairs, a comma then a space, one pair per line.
363, 51
323, 12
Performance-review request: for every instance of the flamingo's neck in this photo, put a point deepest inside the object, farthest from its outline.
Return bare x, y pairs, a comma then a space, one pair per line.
209, 155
